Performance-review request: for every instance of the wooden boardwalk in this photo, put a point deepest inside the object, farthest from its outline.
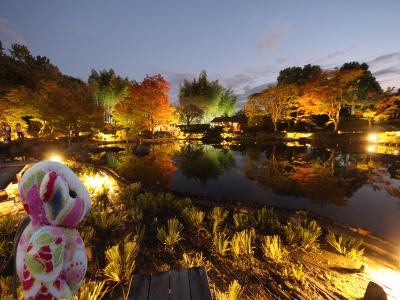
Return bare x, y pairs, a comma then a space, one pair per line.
183, 284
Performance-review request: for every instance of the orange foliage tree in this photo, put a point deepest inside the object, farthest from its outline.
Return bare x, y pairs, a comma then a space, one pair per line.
328, 93
147, 105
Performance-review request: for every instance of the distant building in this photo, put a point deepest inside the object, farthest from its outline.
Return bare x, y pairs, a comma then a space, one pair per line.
235, 123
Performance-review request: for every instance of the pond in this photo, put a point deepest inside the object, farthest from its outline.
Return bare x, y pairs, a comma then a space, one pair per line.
355, 187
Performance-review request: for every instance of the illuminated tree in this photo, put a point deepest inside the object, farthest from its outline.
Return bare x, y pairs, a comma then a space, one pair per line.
328, 93
277, 102
109, 90
147, 105
389, 107
190, 113
209, 96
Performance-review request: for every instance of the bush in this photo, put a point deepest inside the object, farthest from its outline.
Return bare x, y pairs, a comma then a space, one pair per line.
193, 216
128, 195
265, 218
303, 234
135, 214
121, 262
242, 244
273, 249
172, 235
217, 217
241, 221
193, 259
221, 243
345, 245
91, 290
234, 292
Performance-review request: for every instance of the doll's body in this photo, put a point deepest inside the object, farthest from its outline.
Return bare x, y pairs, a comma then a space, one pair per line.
51, 260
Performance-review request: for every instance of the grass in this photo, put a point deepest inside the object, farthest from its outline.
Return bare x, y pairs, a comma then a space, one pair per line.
91, 290
345, 245
247, 248
303, 234
241, 221
242, 246
217, 216
193, 259
221, 243
171, 235
193, 216
273, 249
265, 219
234, 292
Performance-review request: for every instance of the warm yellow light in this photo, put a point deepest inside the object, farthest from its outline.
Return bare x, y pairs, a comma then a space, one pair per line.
298, 135
371, 148
372, 137
387, 278
339, 132
56, 157
98, 184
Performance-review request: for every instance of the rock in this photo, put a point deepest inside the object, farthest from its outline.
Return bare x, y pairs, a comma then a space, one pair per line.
374, 292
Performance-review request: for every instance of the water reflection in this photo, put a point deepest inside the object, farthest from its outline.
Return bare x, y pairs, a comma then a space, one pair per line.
320, 175
204, 163
353, 186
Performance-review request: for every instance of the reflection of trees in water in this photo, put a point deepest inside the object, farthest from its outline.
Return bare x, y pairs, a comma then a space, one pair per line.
204, 163
320, 175
156, 168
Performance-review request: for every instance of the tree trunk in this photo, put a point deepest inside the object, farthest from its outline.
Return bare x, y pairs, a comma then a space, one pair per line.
337, 120
369, 123
275, 126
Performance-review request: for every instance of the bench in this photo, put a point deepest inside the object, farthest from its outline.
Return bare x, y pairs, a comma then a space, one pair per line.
180, 284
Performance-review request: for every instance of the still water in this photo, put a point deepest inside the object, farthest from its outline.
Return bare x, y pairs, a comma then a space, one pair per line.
355, 187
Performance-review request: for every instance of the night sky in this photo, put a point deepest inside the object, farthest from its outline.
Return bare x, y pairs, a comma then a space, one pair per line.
243, 43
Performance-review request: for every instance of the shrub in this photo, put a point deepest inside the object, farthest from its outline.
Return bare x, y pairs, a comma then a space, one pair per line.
172, 235
217, 217
87, 233
221, 243
135, 214
91, 290
242, 244
121, 262
273, 249
180, 204
303, 234
234, 292
106, 221
128, 195
298, 273
345, 245
241, 221
193, 216
193, 259
265, 218
8, 225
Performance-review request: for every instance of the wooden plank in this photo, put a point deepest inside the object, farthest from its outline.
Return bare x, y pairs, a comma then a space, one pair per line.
159, 286
139, 287
179, 284
198, 281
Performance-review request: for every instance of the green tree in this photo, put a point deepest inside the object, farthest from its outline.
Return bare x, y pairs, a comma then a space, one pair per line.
209, 96
109, 90
298, 75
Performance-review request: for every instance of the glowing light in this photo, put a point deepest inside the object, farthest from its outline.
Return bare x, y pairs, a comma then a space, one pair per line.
371, 148
56, 157
389, 280
372, 137
339, 132
298, 135
98, 184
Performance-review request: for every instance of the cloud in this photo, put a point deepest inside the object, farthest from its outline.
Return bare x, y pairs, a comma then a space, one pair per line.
8, 33
334, 55
276, 32
386, 69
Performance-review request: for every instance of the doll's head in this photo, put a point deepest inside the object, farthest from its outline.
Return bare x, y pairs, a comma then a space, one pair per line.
53, 195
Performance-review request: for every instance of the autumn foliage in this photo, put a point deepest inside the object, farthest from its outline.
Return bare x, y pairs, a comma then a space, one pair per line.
147, 105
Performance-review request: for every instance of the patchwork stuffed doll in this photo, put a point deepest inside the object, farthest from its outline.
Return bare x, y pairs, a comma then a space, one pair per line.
51, 260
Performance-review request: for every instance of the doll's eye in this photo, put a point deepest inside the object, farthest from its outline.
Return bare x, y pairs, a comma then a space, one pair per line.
72, 194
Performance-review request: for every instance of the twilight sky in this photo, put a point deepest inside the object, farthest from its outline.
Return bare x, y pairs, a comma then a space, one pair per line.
243, 43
